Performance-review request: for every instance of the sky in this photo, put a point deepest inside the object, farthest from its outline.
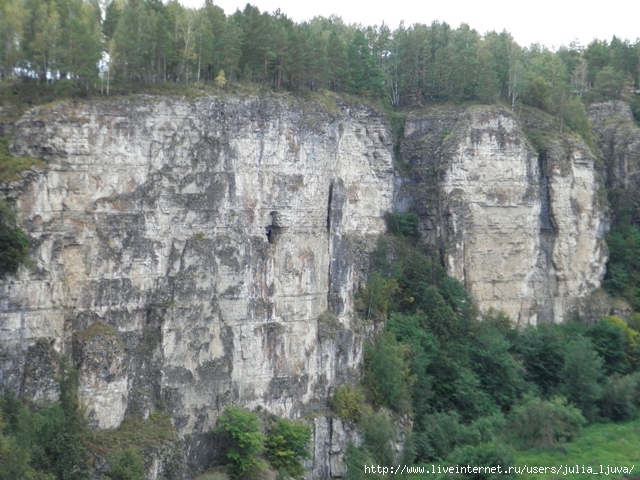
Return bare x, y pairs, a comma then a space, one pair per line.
550, 22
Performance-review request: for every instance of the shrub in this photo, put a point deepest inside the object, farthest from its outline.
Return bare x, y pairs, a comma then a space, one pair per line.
541, 350
580, 376
14, 244
125, 465
403, 224
619, 397
484, 455
439, 318
541, 423
377, 435
387, 374
501, 376
288, 445
245, 439
373, 301
441, 434
347, 401
355, 460
609, 339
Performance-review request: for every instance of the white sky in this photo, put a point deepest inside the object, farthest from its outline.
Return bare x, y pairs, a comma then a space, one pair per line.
549, 22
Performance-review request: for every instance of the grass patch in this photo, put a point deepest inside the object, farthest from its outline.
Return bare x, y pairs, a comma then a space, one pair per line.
134, 433
10, 166
215, 473
617, 445
606, 444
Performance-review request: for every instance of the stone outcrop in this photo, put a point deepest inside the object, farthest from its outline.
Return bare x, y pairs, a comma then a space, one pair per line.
618, 139
193, 253
522, 230
189, 254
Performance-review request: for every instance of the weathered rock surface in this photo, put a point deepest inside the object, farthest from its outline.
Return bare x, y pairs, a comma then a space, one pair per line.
618, 138
191, 254
522, 230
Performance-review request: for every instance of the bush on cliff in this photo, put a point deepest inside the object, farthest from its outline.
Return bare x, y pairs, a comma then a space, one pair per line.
242, 432
287, 445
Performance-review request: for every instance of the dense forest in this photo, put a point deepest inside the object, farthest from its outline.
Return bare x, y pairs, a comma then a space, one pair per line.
476, 389
94, 45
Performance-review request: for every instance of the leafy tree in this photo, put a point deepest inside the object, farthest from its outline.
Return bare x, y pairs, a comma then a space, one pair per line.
610, 341
387, 375
348, 402
440, 434
541, 350
126, 465
580, 376
404, 224
501, 376
14, 244
374, 300
608, 84
355, 460
377, 437
242, 431
541, 423
287, 445
439, 317
620, 396
485, 455
220, 80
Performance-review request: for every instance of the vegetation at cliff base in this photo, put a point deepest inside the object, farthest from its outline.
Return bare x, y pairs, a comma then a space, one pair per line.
284, 443
475, 387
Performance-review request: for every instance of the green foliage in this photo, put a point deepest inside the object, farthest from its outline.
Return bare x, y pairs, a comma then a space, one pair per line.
11, 166
439, 317
598, 444
125, 465
541, 423
133, 434
404, 224
623, 270
387, 376
620, 397
501, 376
541, 350
608, 84
485, 455
441, 434
610, 341
355, 460
242, 431
50, 442
581, 375
373, 300
348, 402
287, 445
14, 243
377, 436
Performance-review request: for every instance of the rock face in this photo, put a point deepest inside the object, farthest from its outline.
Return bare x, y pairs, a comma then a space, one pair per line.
619, 141
522, 230
189, 254
196, 253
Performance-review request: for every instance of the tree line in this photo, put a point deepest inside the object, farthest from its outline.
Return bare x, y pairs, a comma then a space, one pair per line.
92, 43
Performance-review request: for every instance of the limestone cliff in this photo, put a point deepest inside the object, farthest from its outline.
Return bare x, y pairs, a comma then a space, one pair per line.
618, 138
191, 253
195, 253
522, 229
